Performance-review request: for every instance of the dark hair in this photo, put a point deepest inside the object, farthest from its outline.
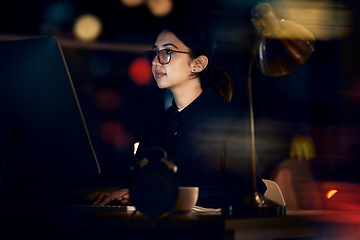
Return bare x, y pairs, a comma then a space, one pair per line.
201, 42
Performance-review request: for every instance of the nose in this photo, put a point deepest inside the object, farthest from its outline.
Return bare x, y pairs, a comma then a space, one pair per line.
156, 61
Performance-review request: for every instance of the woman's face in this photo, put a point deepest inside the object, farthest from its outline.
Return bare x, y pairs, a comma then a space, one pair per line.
177, 73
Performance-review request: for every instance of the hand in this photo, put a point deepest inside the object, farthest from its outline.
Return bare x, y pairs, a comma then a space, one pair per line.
102, 198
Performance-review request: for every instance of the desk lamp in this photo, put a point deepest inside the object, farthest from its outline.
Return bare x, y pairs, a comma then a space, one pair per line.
282, 46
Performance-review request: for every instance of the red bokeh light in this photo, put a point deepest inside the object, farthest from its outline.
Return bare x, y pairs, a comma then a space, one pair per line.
107, 99
346, 197
140, 71
115, 134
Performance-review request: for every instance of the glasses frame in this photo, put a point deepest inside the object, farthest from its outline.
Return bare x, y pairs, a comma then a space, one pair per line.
169, 53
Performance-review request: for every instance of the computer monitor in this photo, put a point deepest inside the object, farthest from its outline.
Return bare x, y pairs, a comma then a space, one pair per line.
43, 131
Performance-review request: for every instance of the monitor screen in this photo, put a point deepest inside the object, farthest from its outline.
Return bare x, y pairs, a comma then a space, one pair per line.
44, 134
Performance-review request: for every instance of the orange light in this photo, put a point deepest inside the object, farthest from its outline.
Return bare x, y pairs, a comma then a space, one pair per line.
87, 27
132, 3
331, 193
160, 8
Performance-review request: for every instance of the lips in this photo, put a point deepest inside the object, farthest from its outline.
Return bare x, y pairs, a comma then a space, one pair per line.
159, 74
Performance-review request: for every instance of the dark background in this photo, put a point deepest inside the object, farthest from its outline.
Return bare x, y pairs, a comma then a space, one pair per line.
320, 99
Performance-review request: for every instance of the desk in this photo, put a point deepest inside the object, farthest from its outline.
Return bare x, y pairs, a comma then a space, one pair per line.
65, 223
38, 222
302, 224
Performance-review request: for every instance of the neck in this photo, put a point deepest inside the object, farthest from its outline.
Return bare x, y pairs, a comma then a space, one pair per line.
186, 96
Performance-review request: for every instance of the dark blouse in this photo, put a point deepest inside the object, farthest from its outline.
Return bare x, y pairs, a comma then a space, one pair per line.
209, 143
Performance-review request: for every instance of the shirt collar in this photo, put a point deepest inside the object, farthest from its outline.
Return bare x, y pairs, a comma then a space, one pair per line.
193, 112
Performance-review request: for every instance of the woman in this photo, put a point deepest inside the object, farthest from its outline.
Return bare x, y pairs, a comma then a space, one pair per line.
205, 135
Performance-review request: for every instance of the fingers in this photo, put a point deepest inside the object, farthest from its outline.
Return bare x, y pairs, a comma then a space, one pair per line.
124, 199
105, 200
108, 197
102, 198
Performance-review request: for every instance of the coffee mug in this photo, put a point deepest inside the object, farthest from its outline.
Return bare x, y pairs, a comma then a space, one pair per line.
187, 199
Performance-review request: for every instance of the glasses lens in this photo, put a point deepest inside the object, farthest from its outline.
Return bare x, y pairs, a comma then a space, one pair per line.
150, 55
164, 56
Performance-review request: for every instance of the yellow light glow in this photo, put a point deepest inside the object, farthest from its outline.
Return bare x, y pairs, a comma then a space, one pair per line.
326, 19
87, 27
160, 8
132, 3
302, 148
331, 193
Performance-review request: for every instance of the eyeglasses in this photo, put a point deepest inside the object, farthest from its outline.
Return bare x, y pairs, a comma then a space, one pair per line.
163, 55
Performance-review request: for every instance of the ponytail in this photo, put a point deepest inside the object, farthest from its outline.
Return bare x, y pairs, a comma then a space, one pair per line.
222, 83
218, 80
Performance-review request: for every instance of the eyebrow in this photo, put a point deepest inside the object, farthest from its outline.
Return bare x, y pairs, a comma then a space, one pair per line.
165, 45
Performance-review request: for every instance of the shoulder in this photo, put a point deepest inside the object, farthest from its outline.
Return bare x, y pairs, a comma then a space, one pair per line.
222, 106
227, 109
225, 117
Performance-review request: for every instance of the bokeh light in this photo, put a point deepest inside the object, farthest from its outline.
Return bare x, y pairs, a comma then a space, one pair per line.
57, 16
87, 27
132, 3
58, 12
331, 193
140, 71
160, 8
114, 133
108, 99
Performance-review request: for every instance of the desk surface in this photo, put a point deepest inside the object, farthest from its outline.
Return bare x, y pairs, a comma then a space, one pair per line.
301, 224
69, 223
60, 223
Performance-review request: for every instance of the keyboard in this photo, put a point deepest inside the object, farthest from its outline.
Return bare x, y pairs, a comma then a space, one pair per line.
120, 208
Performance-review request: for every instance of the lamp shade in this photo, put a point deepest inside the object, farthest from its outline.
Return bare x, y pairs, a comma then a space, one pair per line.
284, 45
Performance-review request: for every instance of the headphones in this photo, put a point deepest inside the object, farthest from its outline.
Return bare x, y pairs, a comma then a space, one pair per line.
154, 185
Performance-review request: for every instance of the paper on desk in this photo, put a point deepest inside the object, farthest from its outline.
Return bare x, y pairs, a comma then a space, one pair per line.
206, 210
